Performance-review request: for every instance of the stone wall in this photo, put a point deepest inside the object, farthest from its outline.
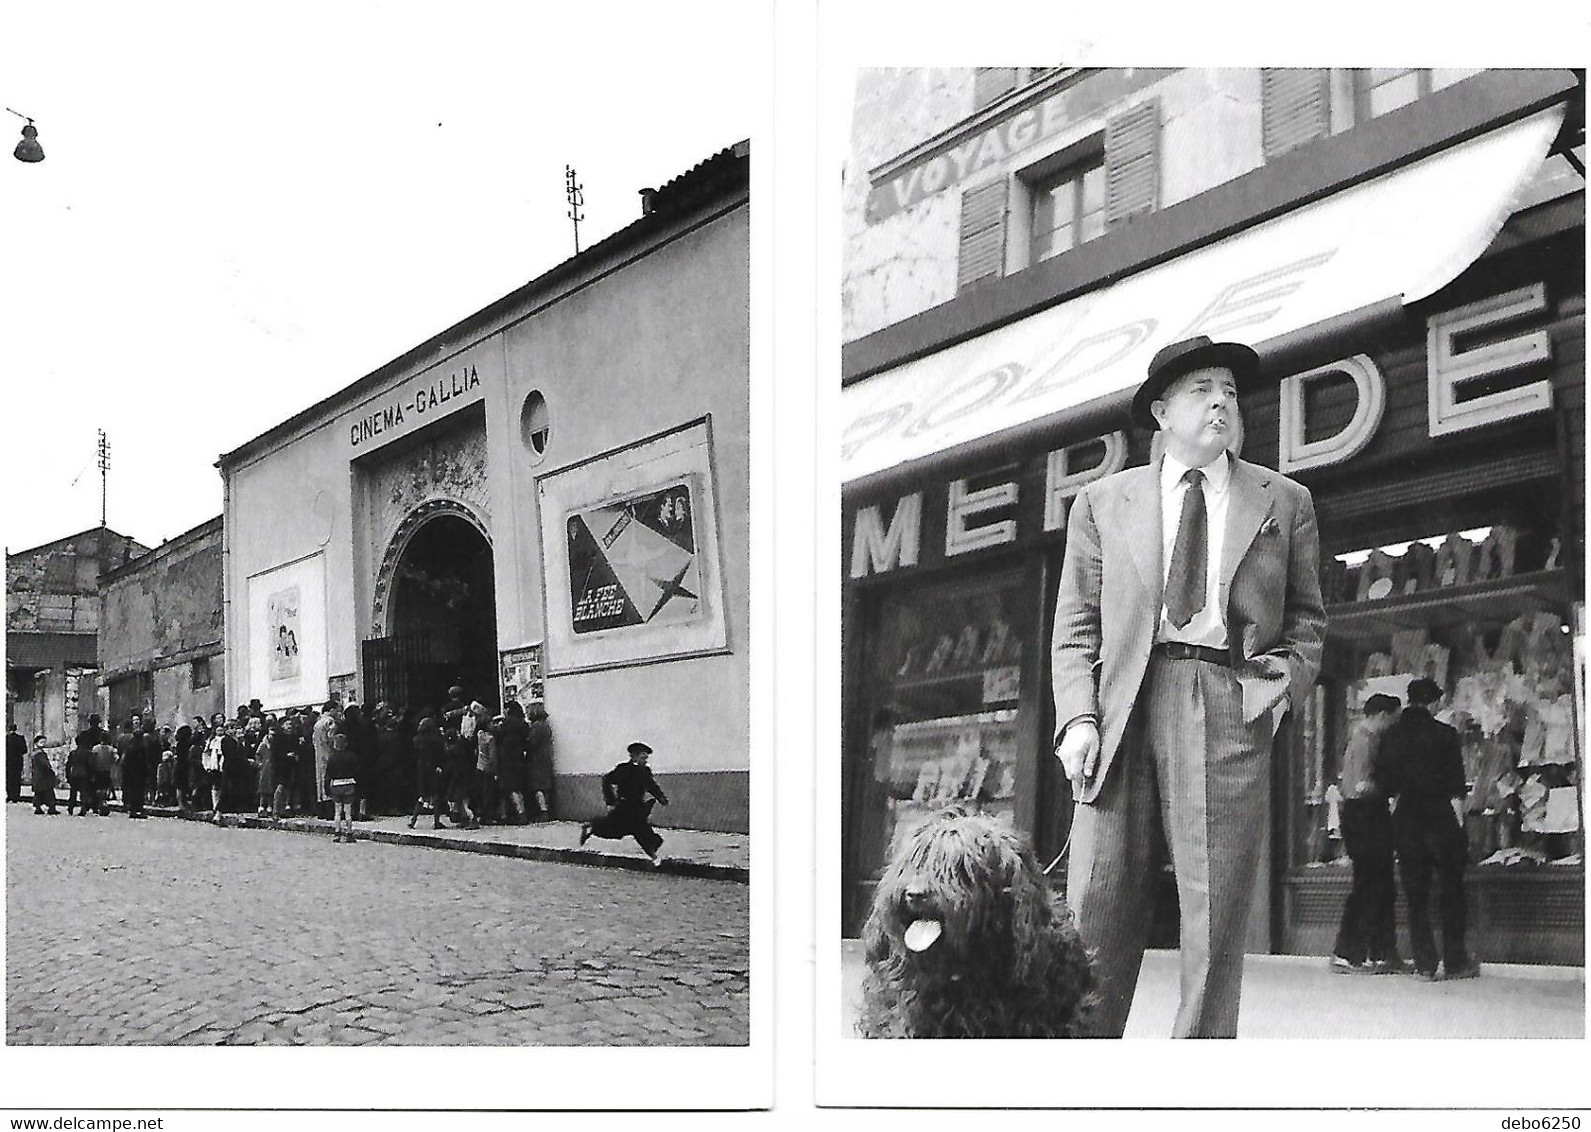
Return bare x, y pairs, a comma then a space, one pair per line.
161, 614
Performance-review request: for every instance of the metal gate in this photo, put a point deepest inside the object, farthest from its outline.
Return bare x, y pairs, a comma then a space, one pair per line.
410, 669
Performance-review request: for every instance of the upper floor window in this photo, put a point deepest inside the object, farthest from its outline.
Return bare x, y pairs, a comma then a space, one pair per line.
992, 83
1068, 209
1378, 90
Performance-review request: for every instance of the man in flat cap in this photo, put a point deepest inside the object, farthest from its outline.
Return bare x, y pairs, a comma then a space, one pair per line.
629, 790
1420, 765
1188, 622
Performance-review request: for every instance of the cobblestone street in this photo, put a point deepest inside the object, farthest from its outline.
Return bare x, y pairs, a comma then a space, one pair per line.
160, 932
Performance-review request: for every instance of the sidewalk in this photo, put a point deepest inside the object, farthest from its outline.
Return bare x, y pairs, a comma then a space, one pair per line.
685, 852
1298, 996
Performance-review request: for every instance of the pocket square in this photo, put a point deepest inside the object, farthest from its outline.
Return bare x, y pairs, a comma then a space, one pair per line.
1270, 526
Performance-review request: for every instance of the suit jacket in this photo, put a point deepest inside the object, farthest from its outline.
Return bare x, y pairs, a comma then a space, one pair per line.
1112, 588
1421, 764
628, 785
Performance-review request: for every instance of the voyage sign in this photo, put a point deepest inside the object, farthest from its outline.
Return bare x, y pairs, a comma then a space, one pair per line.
1008, 135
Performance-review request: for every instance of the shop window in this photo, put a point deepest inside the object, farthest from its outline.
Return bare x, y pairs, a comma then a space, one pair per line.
199, 673
943, 683
1485, 612
535, 425
1068, 210
1380, 90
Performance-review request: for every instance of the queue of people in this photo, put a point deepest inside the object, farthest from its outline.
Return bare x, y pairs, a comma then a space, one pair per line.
461, 759
460, 763
1403, 792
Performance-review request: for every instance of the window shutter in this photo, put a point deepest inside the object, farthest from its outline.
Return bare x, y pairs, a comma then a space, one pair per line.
1132, 162
989, 83
982, 233
1295, 107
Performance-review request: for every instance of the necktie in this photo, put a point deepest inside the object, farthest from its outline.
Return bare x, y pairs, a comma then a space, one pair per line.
1185, 581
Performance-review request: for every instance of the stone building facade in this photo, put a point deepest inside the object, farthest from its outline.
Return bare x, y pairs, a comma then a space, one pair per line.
52, 623
160, 643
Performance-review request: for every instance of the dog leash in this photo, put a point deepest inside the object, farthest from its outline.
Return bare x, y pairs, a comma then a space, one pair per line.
1064, 847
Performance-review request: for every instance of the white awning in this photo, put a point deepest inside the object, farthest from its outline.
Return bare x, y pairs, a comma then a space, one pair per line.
1402, 236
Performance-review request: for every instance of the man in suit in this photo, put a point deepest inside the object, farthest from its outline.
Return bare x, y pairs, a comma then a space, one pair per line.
1420, 765
1188, 621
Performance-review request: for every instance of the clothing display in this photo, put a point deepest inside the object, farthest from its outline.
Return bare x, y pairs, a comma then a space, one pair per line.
1453, 561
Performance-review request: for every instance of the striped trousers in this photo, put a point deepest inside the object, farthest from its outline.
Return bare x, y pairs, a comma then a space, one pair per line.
1190, 763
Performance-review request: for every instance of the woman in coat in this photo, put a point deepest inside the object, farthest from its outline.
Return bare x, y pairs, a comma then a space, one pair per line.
430, 772
538, 761
513, 734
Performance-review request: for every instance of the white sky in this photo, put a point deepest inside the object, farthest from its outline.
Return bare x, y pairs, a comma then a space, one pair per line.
244, 208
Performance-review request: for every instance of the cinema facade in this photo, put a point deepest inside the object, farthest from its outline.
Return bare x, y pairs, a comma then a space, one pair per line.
548, 502
1412, 275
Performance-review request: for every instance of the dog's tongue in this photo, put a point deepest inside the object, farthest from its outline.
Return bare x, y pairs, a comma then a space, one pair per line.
922, 933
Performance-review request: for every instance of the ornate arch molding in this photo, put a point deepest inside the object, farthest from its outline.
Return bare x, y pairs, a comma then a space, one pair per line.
407, 529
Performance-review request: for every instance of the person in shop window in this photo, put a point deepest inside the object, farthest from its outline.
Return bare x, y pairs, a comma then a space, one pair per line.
1420, 766
1188, 621
1367, 940
630, 789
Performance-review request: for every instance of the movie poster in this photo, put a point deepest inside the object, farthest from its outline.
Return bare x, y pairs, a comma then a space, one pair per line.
635, 533
634, 563
285, 630
522, 676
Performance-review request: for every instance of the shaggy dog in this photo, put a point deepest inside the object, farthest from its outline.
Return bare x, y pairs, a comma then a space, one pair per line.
964, 942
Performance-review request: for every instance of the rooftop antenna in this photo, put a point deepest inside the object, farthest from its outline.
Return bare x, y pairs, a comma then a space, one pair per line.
104, 479
576, 195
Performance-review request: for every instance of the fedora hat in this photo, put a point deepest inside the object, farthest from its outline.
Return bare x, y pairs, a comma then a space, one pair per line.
1172, 361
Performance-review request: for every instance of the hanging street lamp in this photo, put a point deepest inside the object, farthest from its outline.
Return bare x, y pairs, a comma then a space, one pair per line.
28, 149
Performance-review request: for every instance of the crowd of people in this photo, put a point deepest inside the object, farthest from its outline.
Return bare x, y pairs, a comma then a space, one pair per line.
460, 761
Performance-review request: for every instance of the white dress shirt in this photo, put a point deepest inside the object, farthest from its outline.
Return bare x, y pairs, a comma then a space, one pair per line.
1208, 626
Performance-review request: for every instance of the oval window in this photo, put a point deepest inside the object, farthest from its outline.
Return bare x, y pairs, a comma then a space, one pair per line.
535, 425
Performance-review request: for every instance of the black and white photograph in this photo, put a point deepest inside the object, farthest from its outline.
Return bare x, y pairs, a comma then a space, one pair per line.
1210, 450
378, 524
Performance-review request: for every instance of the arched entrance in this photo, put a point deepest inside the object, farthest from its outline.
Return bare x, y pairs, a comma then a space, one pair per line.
440, 613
